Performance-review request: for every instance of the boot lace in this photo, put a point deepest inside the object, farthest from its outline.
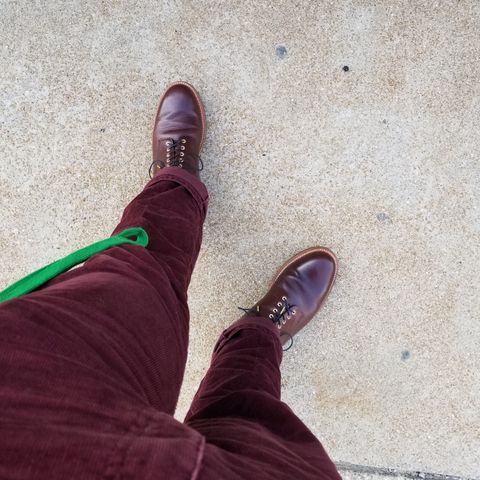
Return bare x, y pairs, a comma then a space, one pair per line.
279, 315
174, 156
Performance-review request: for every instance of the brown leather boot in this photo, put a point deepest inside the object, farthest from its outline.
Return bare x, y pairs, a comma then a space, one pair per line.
297, 291
179, 130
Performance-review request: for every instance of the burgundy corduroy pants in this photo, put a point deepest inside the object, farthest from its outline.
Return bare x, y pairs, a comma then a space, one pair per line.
91, 366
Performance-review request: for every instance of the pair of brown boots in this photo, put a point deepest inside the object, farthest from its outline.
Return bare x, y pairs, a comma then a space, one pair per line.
302, 284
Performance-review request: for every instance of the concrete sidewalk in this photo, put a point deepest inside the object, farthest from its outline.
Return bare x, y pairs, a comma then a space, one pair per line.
351, 124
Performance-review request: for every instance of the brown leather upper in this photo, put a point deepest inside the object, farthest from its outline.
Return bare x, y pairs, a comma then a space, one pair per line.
179, 129
298, 290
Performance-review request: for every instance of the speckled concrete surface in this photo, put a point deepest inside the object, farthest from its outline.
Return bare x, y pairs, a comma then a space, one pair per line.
379, 162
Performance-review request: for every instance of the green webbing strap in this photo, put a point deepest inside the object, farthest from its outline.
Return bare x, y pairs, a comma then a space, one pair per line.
39, 277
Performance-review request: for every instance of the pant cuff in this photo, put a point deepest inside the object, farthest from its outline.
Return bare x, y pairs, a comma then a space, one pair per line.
249, 322
194, 185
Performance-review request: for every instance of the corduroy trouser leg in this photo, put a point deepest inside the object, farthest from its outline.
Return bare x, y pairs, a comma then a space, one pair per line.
91, 366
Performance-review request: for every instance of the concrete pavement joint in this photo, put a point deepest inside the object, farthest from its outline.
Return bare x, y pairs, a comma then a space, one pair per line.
391, 472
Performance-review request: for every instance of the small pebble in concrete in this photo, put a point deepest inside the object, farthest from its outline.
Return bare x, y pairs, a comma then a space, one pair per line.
345, 68
405, 355
281, 51
102, 130
382, 217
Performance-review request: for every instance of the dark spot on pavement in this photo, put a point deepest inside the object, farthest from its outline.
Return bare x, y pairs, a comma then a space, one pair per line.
281, 51
102, 130
345, 68
384, 121
383, 217
405, 355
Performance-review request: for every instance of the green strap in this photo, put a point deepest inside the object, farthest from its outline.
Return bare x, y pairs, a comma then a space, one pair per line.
39, 277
